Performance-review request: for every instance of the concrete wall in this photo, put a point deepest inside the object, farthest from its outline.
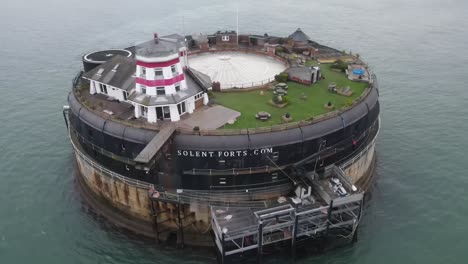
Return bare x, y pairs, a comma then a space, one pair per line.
134, 201
361, 164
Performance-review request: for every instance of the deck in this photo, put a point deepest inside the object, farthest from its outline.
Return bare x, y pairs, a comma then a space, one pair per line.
238, 230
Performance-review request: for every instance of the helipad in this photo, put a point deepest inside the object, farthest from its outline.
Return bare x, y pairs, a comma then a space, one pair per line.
237, 69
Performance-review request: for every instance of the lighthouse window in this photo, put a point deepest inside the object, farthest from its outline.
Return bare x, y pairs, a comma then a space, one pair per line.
143, 89
177, 87
143, 72
160, 91
158, 73
174, 70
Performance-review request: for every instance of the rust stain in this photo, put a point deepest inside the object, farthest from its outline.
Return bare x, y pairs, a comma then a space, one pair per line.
97, 179
138, 198
126, 193
106, 189
116, 190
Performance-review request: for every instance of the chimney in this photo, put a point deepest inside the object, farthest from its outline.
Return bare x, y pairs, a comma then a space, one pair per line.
156, 38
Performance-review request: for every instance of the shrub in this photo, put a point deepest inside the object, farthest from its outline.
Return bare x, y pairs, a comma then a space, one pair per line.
340, 65
196, 128
282, 77
279, 50
287, 115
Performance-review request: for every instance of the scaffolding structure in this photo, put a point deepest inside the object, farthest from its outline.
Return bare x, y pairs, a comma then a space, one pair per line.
238, 230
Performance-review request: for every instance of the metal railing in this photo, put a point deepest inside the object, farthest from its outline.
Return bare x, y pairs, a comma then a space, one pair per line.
101, 150
233, 171
109, 173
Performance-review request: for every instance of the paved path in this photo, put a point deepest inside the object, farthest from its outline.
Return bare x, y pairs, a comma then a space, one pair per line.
211, 117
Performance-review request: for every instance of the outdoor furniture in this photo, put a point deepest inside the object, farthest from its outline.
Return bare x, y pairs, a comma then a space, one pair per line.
345, 91
332, 87
263, 116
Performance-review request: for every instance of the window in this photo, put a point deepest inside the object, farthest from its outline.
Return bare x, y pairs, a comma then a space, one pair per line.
275, 156
225, 38
103, 88
160, 91
221, 164
274, 177
158, 73
198, 96
125, 94
177, 87
181, 108
167, 112
99, 72
144, 111
143, 89
222, 181
143, 72
174, 70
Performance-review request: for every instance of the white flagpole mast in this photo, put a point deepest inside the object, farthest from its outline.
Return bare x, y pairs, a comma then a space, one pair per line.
237, 23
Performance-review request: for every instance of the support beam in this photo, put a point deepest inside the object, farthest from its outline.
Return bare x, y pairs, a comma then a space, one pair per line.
154, 213
223, 250
260, 242
180, 237
294, 235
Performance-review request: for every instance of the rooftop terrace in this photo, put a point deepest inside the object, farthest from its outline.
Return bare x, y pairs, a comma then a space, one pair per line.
304, 102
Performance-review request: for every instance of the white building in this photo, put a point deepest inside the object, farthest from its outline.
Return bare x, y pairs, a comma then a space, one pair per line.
157, 82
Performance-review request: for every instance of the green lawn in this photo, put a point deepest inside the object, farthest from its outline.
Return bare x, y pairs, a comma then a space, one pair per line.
250, 103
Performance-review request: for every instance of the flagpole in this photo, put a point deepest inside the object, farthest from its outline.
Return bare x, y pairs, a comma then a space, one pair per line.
237, 23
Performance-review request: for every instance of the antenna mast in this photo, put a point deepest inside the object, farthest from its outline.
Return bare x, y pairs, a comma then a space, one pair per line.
237, 23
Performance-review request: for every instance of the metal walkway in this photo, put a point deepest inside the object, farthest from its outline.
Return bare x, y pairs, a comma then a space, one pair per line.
238, 230
156, 144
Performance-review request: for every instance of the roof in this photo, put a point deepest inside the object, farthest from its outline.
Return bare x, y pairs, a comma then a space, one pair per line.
192, 88
202, 79
104, 55
117, 72
299, 36
166, 45
301, 72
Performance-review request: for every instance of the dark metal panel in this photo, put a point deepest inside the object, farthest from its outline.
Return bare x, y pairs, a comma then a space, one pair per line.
91, 119
114, 129
194, 142
138, 135
75, 106
354, 114
372, 98
279, 138
322, 128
